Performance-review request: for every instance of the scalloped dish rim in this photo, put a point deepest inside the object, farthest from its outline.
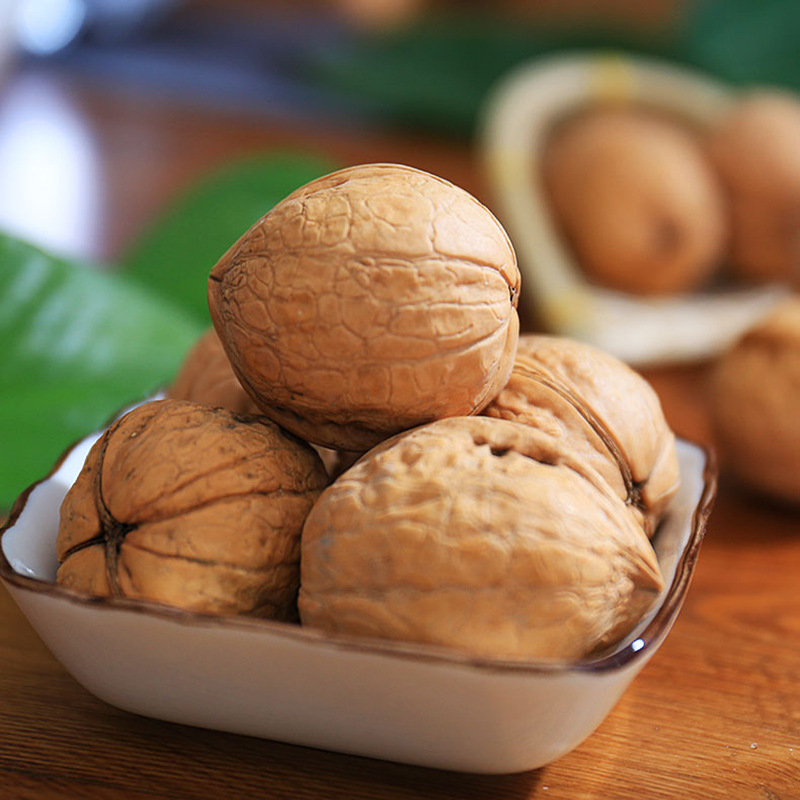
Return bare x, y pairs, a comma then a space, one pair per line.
662, 616
410, 703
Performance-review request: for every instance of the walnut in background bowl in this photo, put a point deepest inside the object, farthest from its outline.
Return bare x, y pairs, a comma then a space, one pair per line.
636, 198
756, 150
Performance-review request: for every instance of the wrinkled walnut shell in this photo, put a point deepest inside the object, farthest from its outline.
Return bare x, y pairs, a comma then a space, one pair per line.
206, 377
479, 534
191, 507
367, 302
603, 411
754, 402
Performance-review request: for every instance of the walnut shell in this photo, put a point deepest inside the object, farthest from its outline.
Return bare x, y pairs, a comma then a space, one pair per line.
369, 301
478, 534
637, 200
206, 377
756, 150
191, 507
754, 401
603, 411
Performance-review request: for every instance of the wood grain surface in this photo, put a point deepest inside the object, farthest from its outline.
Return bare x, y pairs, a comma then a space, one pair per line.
715, 714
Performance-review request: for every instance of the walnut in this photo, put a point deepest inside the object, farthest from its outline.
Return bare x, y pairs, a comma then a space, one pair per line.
369, 301
637, 200
192, 507
479, 534
603, 411
756, 149
754, 398
206, 377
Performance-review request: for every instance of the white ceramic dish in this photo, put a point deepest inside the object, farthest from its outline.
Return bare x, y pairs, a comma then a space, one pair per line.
518, 118
406, 703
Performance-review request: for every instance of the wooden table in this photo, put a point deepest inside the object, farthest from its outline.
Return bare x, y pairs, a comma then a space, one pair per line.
716, 713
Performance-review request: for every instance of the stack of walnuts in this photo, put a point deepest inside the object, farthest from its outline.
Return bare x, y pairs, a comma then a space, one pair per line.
508, 486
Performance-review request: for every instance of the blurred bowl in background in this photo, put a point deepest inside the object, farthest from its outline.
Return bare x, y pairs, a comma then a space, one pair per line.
520, 115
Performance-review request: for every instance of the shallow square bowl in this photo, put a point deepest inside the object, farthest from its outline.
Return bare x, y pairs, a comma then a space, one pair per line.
413, 704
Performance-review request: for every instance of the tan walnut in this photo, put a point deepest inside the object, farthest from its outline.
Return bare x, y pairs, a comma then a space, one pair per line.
636, 199
191, 507
603, 411
756, 149
206, 377
479, 534
369, 301
754, 402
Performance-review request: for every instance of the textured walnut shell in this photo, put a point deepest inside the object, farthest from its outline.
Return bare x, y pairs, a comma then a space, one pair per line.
756, 150
369, 301
637, 200
479, 534
754, 401
206, 377
192, 507
603, 411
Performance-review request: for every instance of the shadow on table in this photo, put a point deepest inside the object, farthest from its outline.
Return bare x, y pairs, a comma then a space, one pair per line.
742, 516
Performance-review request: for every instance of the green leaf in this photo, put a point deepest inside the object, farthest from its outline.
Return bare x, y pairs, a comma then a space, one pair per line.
78, 344
175, 255
746, 41
437, 73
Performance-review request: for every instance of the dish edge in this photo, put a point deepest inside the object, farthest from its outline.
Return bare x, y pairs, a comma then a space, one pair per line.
641, 647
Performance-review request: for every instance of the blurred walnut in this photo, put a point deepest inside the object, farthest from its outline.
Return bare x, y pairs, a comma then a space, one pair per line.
636, 199
755, 397
369, 301
479, 534
206, 377
603, 411
191, 507
756, 149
